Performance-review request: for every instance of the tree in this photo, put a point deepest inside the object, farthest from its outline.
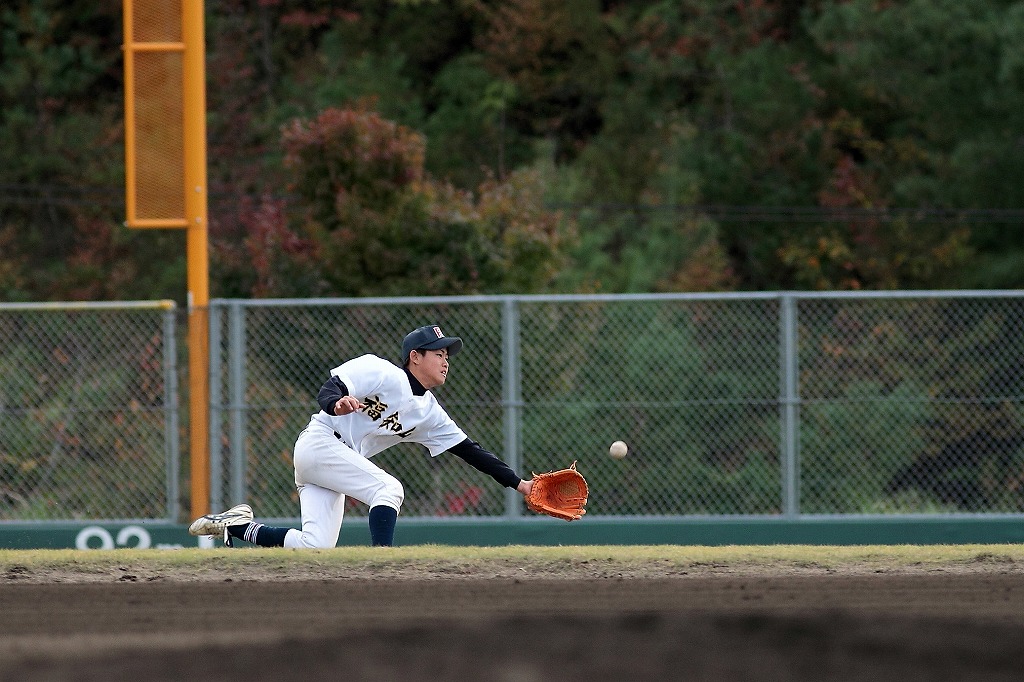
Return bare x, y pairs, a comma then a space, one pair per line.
367, 220
938, 89
840, 116
61, 152
557, 56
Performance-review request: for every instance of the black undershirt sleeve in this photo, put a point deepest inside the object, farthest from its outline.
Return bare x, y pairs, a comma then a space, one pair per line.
330, 393
485, 461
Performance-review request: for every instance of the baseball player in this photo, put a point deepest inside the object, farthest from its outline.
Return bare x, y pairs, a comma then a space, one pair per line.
367, 405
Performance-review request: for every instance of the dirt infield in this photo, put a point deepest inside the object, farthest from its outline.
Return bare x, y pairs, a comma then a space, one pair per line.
579, 623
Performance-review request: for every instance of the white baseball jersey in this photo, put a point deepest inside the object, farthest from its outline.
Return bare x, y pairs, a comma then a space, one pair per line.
393, 413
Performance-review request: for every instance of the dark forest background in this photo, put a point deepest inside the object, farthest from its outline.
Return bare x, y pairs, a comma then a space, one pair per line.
373, 147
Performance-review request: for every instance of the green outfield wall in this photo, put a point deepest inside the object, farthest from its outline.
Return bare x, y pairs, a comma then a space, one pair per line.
476, 532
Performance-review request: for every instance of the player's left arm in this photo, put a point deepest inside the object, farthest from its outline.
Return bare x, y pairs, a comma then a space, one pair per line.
488, 463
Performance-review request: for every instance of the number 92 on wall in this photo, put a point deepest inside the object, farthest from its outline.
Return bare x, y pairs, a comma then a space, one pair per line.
137, 537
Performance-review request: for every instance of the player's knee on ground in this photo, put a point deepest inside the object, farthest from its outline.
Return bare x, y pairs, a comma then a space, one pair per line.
315, 538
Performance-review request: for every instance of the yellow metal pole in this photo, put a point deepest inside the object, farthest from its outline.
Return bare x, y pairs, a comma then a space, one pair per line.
197, 257
129, 109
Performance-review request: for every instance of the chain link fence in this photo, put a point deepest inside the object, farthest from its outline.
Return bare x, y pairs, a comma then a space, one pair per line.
88, 411
739, 405
787, 404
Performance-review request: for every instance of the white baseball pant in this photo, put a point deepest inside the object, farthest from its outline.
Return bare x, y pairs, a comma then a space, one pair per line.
326, 471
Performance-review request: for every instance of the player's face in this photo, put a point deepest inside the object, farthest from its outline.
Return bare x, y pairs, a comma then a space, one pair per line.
431, 367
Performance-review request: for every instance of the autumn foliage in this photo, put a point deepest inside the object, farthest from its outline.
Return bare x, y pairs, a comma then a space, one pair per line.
363, 218
373, 146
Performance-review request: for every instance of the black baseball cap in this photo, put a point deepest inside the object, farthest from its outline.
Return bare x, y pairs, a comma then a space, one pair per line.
429, 337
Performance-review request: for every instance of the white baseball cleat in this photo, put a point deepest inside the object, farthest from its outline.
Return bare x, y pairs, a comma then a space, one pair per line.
217, 524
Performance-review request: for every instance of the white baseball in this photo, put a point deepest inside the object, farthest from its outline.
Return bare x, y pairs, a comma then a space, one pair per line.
618, 450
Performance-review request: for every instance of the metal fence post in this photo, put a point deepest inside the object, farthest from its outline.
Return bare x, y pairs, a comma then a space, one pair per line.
511, 397
789, 406
216, 410
236, 400
171, 445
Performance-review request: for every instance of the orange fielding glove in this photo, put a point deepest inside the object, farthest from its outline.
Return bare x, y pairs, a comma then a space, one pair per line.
561, 494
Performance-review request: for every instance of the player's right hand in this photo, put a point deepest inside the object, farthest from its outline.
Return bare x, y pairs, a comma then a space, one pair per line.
347, 404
